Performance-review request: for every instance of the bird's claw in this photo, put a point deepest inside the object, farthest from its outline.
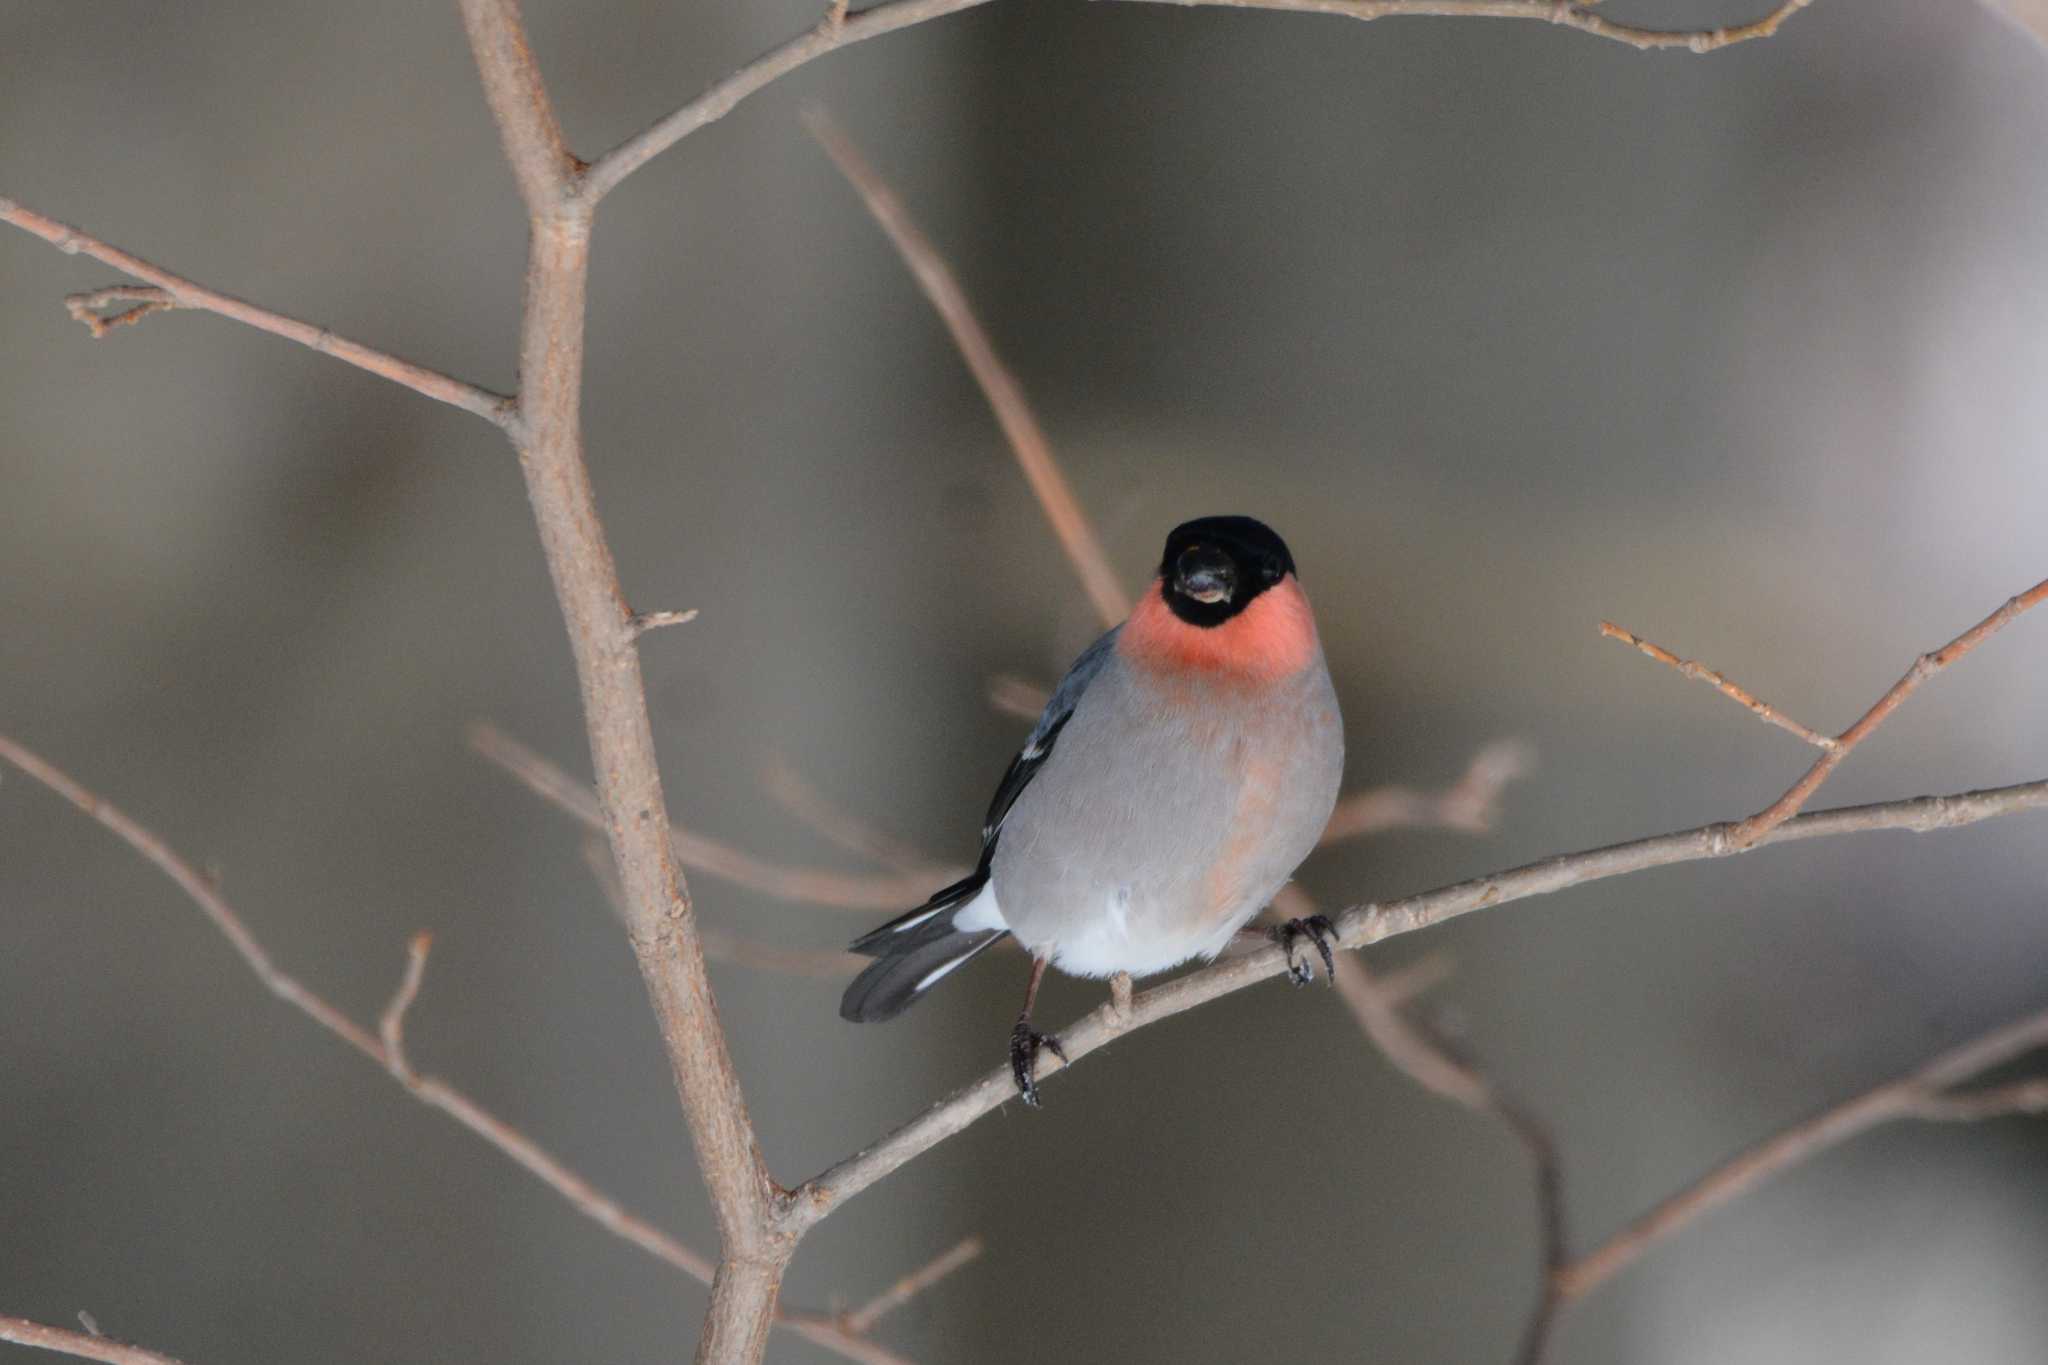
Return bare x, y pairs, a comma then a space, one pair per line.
1025, 1041
1317, 929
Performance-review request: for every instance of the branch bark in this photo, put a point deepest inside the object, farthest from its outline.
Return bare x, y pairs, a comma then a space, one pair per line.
386, 1049
180, 292
1371, 923
1005, 395
1922, 1094
603, 637
84, 1346
842, 29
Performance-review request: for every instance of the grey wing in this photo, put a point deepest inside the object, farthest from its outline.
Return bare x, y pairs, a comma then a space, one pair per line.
1038, 747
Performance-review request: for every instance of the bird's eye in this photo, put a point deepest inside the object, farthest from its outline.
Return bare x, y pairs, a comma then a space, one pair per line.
1271, 571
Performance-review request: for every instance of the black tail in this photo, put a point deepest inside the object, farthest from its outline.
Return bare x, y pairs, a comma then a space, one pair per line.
912, 953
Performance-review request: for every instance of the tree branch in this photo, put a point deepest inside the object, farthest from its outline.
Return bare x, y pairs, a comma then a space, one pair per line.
603, 640
1838, 748
723, 946
862, 1319
1579, 17
1924, 667
386, 1048
179, 292
1472, 803
22, 1332
1005, 395
863, 892
539, 155
842, 29
1430, 1061
1371, 923
1921, 1094
1690, 668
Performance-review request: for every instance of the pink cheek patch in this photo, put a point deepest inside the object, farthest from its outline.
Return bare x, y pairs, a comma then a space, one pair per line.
1273, 638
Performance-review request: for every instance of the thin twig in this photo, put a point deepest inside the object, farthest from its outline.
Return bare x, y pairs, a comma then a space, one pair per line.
723, 946
865, 892
1565, 15
90, 308
1926, 666
835, 31
644, 621
496, 408
1433, 1063
22, 1332
1362, 925
1005, 395
1758, 707
863, 1319
534, 146
801, 798
1472, 803
1011, 695
1920, 1094
387, 1049
661, 925
391, 1025
200, 889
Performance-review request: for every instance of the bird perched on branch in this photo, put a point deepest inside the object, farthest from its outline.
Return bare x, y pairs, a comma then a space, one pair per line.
1183, 768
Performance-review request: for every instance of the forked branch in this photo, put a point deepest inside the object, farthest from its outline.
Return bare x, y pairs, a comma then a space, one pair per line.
386, 1048
1835, 749
841, 28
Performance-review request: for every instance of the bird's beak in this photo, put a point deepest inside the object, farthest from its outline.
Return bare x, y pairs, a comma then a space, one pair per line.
1205, 574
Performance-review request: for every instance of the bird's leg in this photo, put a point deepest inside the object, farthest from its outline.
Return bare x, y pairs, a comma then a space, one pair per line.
1025, 1041
1317, 929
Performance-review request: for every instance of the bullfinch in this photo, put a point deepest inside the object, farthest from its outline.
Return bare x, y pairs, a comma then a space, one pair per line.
1182, 770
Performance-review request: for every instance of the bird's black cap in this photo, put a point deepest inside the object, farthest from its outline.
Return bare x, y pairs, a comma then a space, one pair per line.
1214, 567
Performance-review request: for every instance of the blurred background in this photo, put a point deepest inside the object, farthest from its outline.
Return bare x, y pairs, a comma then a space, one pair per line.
1505, 328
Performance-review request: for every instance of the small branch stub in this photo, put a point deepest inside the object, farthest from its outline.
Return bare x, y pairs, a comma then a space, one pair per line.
644, 621
1758, 707
91, 307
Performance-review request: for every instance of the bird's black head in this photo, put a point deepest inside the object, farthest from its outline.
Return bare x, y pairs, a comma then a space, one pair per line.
1215, 566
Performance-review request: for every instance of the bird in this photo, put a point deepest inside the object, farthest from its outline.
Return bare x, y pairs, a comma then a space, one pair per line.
1182, 770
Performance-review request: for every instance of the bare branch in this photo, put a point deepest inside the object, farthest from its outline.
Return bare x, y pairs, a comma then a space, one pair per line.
1366, 924
660, 923
1431, 1062
865, 892
387, 1050
391, 1025
1917, 1095
1566, 15
836, 30
1761, 709
201, 891
862, 1319
644, 621
841, 29
1924, 667
1472, 803
2028, 16
90, 308
1005, 395
1019, 697
723, 946
801, 798
519, 102
22, 1332
183, 293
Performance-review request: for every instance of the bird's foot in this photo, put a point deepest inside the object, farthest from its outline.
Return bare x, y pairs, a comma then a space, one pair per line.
1317, 929
1025, 1041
